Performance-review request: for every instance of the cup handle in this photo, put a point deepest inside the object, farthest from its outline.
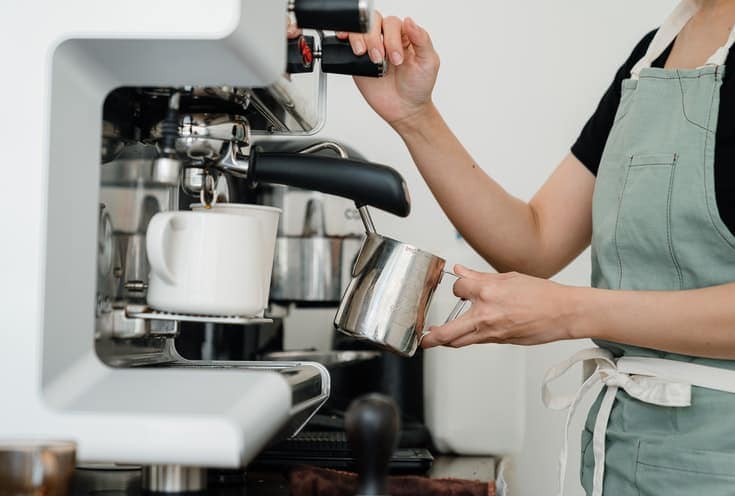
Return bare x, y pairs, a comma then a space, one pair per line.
158, 238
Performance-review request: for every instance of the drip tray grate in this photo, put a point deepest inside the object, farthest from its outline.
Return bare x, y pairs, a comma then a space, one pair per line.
150, 314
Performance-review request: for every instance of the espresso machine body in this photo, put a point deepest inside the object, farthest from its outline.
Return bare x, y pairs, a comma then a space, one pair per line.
131, 110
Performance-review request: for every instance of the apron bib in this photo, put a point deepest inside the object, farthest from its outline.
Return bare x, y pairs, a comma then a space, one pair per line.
665, 423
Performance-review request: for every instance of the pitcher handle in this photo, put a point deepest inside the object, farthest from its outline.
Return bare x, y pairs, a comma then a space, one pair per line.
461, 304
458, 309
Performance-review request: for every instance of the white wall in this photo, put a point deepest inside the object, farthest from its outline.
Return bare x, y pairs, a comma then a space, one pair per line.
518, 81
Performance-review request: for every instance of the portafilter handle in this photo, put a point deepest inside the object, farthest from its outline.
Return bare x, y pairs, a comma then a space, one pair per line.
372, 423
365, 183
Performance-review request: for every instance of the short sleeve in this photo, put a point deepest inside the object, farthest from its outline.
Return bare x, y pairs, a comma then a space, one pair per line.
592, 140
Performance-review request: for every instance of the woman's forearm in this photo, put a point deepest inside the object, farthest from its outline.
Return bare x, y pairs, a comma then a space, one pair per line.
502, 228
698, 322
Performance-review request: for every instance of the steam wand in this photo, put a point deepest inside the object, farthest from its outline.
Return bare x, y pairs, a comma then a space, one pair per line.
166, 169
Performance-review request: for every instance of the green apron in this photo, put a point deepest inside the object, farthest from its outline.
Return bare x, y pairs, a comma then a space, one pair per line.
656, 227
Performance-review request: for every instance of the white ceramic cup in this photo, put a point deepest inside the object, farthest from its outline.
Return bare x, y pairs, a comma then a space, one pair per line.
268, 217
206, 263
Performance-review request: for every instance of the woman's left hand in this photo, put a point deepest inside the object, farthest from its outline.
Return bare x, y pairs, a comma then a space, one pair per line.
507, 308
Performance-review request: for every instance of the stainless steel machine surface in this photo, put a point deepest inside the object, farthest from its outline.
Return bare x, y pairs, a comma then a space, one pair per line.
314, 254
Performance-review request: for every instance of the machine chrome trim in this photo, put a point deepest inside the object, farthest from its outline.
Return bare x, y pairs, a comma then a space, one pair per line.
173, 479
366, 9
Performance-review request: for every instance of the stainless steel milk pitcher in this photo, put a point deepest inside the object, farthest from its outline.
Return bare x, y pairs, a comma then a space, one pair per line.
388, 298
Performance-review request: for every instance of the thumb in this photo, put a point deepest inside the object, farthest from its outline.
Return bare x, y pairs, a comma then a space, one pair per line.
419, 38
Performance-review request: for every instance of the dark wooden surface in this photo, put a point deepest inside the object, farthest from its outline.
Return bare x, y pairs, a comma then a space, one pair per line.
127, 482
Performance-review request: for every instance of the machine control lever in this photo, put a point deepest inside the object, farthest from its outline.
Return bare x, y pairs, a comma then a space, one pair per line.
353, 16
336, 57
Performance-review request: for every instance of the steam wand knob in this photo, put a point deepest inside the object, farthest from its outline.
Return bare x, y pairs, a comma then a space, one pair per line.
372, 423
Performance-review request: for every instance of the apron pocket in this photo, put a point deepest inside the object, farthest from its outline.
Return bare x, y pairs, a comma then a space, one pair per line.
652, 159
643, 226
673, 471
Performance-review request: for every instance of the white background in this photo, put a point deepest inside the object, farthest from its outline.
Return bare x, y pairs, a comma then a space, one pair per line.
518, 81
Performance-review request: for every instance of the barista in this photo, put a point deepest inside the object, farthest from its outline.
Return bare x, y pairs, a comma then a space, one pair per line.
650, 185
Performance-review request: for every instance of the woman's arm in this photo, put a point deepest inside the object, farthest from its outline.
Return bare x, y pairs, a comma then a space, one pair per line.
518, 309
539, 237
699, 322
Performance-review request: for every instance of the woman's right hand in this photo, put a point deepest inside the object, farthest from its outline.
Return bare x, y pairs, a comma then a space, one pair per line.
405, 91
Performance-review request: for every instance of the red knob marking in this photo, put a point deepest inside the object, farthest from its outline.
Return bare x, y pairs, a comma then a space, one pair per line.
306, 53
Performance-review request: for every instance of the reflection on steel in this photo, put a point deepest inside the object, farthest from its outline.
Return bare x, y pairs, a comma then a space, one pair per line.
36, 467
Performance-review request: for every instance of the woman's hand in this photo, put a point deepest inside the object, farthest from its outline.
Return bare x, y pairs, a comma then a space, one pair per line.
507, 308
405, 91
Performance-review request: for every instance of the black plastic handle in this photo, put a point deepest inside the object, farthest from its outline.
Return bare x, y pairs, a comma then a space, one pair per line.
338, 58
365, 183
372, 423
353, 16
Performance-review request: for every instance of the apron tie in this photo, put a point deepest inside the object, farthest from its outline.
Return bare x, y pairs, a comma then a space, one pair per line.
625, 373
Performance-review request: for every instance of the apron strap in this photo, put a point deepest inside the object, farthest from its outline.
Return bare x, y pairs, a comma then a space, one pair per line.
720, 56
666, 34
649, 389
670, 29
655, 381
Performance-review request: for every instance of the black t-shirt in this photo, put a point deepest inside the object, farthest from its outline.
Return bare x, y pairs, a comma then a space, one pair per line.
591, 142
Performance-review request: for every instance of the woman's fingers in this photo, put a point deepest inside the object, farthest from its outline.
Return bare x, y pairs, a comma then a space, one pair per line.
470, 339
465, 272
468, 289
392, 39
451, 331
293, 30
374, 39
357, 41
420, 40
387, 38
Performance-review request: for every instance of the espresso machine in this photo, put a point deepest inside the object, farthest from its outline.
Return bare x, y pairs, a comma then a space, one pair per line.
136, 108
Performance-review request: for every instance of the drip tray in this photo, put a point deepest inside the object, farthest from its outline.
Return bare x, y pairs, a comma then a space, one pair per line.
310, 386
